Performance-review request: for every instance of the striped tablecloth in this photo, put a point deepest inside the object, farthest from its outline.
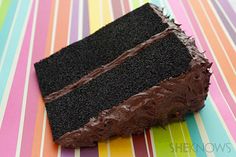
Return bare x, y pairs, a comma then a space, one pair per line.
32, 30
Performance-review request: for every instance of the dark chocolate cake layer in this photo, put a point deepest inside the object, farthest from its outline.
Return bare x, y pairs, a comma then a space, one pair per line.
162, 59
72, 62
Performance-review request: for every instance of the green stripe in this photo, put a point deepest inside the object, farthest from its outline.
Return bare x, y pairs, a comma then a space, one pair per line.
135, 4
162, 142
3, 11
181, 144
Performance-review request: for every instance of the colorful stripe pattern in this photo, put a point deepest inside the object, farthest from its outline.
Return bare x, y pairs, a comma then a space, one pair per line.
32, 30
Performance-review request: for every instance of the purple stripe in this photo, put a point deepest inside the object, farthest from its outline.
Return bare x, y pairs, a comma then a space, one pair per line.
214, 67
86, 27
33, 96
229, 11
89, 152
74, 22
225, 22
67, 152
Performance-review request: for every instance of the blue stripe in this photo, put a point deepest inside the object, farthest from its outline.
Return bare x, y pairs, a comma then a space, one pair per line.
156, 2
4, 32
195, 135
11, 49
215, 130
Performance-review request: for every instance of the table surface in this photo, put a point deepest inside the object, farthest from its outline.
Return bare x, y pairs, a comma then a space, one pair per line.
32, 30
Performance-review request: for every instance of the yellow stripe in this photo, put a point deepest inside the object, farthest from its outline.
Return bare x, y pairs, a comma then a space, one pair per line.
94, 15
145, 1
103, 149
120, 147
106, 12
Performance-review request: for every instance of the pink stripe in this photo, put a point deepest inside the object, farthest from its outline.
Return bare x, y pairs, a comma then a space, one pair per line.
221, 104
219, 78
116, 6
177, 9
126, 6
183, 19
33, 90
10, 125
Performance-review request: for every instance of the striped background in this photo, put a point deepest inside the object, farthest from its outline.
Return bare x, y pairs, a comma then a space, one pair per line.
32, 30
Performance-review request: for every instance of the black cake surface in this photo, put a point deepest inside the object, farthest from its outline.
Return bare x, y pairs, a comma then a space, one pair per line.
76, 60
161, 60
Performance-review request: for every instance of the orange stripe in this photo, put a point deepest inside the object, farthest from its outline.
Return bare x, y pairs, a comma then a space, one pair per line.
217, 50
40, 111
223, 38
50, 148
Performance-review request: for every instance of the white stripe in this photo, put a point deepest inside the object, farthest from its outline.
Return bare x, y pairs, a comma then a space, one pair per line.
70, 21
131, 5
111, 10
51, 51
59, 151
15, 60
108, 148
22, 117
203, 133
182, 131
80, 30
1, 3
218, 38
152, 142
172, 139
101, 13
221, 23
77, 152
146, 143
132, 145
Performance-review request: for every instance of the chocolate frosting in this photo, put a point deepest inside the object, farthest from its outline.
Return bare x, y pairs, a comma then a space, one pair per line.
159, 105
168, 101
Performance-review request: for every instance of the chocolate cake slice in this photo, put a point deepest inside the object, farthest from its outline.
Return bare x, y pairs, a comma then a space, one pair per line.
137, 72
